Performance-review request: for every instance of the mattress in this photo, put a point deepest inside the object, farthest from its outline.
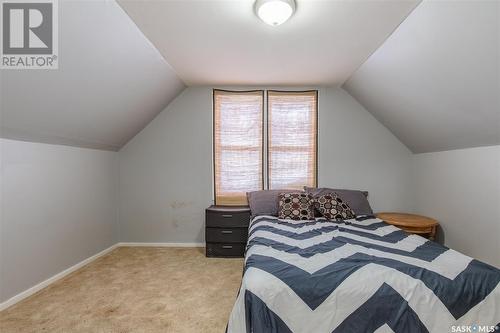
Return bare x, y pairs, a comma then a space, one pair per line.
359, 275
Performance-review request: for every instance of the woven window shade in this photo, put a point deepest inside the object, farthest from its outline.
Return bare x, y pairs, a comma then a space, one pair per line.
238, 137
292, 139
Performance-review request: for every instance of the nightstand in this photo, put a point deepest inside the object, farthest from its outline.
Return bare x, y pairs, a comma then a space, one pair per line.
411, 223
226, 231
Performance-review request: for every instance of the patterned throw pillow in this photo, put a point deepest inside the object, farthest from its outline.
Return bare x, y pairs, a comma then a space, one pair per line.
296, 206
333, 208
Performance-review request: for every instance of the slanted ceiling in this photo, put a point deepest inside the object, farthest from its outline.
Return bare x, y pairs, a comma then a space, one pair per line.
435, 82
110, 83
432, 78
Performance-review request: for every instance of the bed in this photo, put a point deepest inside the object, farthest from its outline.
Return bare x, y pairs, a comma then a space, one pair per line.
359, 275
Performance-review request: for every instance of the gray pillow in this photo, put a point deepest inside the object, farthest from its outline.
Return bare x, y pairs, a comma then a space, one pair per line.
357, 200
265, 202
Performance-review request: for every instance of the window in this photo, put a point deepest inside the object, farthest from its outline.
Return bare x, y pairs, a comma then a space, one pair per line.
239, 142
292, 139
238, 145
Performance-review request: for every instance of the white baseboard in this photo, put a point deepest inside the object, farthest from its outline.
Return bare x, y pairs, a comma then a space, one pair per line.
28, 292
162, 244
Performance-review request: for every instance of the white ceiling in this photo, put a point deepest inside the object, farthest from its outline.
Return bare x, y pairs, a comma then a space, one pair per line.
222, 42
435, 82
110, 83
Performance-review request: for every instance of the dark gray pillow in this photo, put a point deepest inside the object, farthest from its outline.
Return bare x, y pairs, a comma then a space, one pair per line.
357, 200
265, 202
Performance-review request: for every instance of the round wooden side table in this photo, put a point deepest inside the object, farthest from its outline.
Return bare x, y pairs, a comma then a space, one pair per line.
411, 223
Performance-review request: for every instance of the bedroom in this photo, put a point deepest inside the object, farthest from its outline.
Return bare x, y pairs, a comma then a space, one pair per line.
154, 111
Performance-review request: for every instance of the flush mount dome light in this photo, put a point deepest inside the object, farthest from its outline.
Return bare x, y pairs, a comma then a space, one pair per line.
274, 12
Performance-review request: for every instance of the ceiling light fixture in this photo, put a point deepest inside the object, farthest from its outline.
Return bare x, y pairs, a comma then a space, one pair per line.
274, 12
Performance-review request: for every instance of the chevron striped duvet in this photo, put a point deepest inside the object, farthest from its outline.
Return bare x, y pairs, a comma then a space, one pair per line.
359, 276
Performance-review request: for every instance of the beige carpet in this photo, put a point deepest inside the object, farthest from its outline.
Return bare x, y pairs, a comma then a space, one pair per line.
134, 289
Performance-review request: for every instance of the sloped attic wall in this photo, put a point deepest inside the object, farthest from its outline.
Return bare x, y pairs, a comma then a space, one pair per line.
166, 170
110, 83
435, 82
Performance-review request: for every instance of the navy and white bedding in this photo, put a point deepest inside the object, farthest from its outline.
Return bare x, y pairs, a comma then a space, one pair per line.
360, 275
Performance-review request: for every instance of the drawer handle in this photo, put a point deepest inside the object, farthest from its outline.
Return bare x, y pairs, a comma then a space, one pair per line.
227, 215
227, 246
226, 232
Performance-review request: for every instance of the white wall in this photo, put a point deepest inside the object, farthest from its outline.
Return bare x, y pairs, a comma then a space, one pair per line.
166, 170
59, 207
461, 189
357, 152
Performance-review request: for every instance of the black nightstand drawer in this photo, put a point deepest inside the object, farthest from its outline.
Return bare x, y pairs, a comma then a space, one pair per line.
227, 218
226, 231
225, 249
226, 235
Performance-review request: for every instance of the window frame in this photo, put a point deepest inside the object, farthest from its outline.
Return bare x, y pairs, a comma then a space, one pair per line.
263, 120
265, 151
316, 124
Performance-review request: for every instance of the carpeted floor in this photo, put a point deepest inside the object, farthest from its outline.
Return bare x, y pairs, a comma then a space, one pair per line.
134, 289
